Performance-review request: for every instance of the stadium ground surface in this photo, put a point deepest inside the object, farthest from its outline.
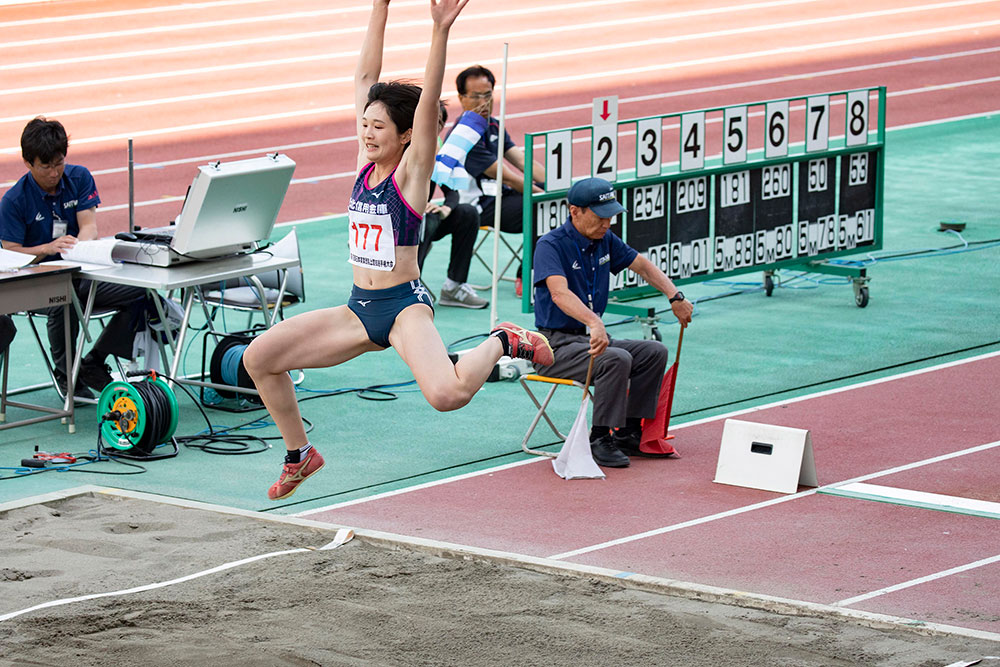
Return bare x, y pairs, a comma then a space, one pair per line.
283, 84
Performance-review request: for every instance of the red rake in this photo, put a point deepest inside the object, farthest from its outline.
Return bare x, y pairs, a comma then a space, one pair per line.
654, 431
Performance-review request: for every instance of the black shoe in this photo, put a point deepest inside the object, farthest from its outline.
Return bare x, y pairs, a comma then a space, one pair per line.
629, 444
606, 454
80, 390
95, 375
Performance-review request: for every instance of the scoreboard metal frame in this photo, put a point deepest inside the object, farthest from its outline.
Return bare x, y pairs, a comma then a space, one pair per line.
724, 208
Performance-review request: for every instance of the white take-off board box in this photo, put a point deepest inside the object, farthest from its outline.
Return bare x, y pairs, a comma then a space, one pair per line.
762, 456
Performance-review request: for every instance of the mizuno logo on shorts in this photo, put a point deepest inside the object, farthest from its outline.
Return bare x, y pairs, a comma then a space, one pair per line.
364, 303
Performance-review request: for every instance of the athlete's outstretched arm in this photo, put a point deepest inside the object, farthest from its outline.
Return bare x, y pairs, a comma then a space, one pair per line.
369, 64
423, 144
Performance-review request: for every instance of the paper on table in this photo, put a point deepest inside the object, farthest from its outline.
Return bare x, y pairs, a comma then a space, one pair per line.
92, 252
10, 259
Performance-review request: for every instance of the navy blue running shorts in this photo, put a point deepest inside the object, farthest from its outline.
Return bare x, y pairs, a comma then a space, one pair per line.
377, 309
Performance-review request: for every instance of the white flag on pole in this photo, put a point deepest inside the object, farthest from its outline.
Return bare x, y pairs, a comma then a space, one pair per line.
575, 460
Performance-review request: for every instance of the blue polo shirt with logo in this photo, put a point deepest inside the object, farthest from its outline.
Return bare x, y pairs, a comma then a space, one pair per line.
27, 212
587, 266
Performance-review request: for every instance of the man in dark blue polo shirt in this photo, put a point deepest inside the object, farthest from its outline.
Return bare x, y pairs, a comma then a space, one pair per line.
45, 213
475, 93
572, 268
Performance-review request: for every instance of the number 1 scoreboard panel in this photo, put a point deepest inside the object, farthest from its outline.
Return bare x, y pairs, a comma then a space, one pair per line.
742, 210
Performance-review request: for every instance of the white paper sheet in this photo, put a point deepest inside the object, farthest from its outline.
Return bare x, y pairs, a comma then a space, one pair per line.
11, 260
92, 252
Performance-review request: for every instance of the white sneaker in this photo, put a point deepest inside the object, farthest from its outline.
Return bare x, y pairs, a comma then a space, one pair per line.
462, 296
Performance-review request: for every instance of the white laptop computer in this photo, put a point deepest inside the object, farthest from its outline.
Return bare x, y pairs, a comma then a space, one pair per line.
229, 207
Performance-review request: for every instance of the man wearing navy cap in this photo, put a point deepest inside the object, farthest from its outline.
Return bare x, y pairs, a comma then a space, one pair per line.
572, 267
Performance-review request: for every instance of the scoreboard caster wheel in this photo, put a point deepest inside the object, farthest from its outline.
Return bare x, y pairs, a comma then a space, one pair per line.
655, 333
768, 283
861, 297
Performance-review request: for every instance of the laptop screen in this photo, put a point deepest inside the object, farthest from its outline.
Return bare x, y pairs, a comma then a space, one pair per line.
231, 205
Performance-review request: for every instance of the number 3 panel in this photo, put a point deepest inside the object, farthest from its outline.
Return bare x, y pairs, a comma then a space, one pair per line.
648, 147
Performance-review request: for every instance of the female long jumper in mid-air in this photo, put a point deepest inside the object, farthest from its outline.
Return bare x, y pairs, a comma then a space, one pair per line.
397, 133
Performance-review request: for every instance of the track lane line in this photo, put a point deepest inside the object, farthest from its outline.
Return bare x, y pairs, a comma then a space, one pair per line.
507, 36
775, 501
916, 582
697, 422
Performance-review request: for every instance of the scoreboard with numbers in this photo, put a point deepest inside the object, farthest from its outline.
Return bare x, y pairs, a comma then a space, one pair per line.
724, 191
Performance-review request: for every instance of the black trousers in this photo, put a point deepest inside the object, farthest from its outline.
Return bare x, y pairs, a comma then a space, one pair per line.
511, 213
119, 334
626, 378
7, 332
463, 225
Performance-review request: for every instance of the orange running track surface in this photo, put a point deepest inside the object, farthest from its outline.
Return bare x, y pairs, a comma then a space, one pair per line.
223, 79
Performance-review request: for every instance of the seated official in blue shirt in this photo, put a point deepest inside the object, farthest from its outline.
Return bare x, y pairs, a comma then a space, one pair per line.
572, 268
45, 213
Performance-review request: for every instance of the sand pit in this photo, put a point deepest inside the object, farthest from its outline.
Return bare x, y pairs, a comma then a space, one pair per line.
364, 603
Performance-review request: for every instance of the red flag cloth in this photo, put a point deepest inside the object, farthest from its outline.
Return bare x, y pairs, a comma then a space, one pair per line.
654, 431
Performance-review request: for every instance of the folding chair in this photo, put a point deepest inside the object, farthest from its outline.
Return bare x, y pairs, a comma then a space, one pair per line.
261, 295
554, 383
514, 252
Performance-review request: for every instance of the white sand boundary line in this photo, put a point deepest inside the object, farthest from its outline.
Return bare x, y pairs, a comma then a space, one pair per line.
343, 535
697, 422
630, 580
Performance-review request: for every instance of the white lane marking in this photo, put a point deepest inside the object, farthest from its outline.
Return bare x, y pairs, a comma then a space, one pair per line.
422, 46
913, 498
916, 582
326, 82
775, 501
520, 13
490, 471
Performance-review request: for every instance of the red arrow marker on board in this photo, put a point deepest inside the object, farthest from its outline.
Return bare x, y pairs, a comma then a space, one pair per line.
606, 113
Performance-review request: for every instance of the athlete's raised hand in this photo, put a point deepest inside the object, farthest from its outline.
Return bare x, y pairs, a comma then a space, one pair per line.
444, 12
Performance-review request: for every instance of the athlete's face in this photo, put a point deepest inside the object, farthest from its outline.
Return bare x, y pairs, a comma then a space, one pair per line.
379, 137
589, 223
478, 96
47, 174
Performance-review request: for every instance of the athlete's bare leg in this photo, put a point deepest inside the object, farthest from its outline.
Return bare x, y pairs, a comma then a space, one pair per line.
317, 339
445, 385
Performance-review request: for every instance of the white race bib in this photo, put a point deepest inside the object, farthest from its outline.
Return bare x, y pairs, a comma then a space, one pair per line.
371, 241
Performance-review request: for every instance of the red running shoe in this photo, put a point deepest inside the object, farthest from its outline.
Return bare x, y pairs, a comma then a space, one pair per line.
293, 474
526, 344
518, 287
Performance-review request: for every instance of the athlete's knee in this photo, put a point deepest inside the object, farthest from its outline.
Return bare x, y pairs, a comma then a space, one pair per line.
255, 358
445, 400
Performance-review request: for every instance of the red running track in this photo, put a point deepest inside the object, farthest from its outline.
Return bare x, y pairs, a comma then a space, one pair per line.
227, 79
667, 518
